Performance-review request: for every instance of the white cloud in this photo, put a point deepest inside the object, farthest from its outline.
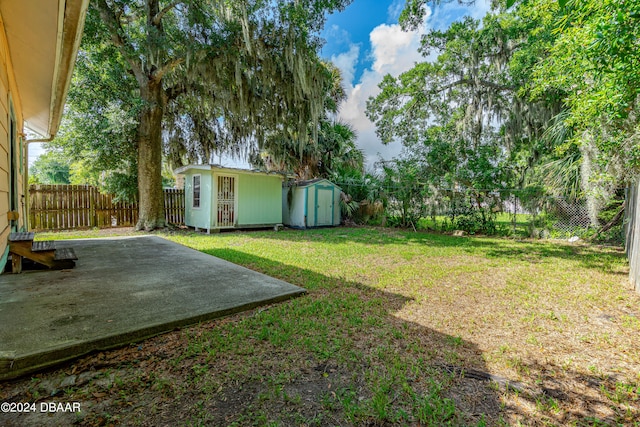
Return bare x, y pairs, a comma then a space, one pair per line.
448, 12
346, 62
395, 9
393, 51
337, 35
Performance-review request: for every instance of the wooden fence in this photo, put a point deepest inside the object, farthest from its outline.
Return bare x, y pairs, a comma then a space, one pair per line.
632, 232
174, 205
65, 207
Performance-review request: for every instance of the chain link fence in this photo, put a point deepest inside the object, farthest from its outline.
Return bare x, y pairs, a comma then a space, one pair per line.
517, 211
510, 212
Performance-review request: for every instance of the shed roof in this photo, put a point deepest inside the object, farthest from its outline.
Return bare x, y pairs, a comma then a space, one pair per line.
184, 169
310, 182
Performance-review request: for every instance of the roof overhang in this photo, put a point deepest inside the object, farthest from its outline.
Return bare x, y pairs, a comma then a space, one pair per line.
312, 182
217, 168
43, 39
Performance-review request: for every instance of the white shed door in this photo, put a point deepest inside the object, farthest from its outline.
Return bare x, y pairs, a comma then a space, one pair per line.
226, 201
324, 206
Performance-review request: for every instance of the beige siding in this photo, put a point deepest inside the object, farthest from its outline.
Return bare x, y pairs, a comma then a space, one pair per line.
4, 106
4, 205
8, 92
4, 183
4, 234
4, 160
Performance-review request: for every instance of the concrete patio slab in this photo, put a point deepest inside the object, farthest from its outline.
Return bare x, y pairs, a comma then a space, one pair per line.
122, 290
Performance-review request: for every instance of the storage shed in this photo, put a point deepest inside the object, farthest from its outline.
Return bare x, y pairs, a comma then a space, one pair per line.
225, 198
314, 203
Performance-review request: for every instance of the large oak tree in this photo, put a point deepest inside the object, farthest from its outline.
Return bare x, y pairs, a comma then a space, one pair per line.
192, 78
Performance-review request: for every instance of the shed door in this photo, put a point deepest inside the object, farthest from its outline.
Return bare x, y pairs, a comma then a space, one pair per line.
324, 206
226, 201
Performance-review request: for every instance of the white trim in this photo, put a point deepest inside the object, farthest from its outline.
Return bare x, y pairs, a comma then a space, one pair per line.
193, 206
322, 181
56, 66
58, 98
223, 170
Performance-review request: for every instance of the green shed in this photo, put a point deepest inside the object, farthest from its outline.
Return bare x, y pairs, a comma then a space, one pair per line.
225, 198
313, 203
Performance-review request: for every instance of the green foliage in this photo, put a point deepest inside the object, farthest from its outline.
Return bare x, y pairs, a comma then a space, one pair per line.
348, 207
50, 168
405, 204
332, 153
466, 118
362, 196
123, 185
83, 174
593, 62
331, 150
99, 129
542, 95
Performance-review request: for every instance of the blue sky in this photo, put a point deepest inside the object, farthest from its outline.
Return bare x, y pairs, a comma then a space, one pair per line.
353, 26
366, 43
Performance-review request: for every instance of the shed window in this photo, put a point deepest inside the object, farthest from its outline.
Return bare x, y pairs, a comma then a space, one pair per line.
196, 191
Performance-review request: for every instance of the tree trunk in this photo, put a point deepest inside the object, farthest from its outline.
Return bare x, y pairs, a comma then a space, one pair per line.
151, 197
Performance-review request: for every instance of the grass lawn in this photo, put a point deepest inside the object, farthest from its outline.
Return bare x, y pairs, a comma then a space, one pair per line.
397, 328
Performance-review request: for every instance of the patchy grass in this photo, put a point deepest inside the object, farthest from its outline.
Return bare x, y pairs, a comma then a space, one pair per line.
90, 233
398, 328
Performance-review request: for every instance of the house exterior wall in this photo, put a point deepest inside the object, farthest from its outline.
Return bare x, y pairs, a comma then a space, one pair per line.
259, 199
198, 217
9, 97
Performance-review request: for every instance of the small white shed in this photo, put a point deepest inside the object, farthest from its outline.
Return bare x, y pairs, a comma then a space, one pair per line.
314, 203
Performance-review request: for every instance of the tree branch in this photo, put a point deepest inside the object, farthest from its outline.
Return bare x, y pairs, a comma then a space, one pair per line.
111, 19
160, 72
616, 219
158, 17
175, 91
466, 81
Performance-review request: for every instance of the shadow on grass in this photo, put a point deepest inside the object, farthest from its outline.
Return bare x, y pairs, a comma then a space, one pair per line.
383, 370
591, 257
564, 396
357, 362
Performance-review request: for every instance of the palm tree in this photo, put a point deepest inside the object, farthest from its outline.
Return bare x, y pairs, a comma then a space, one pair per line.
331, 147
335, 149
